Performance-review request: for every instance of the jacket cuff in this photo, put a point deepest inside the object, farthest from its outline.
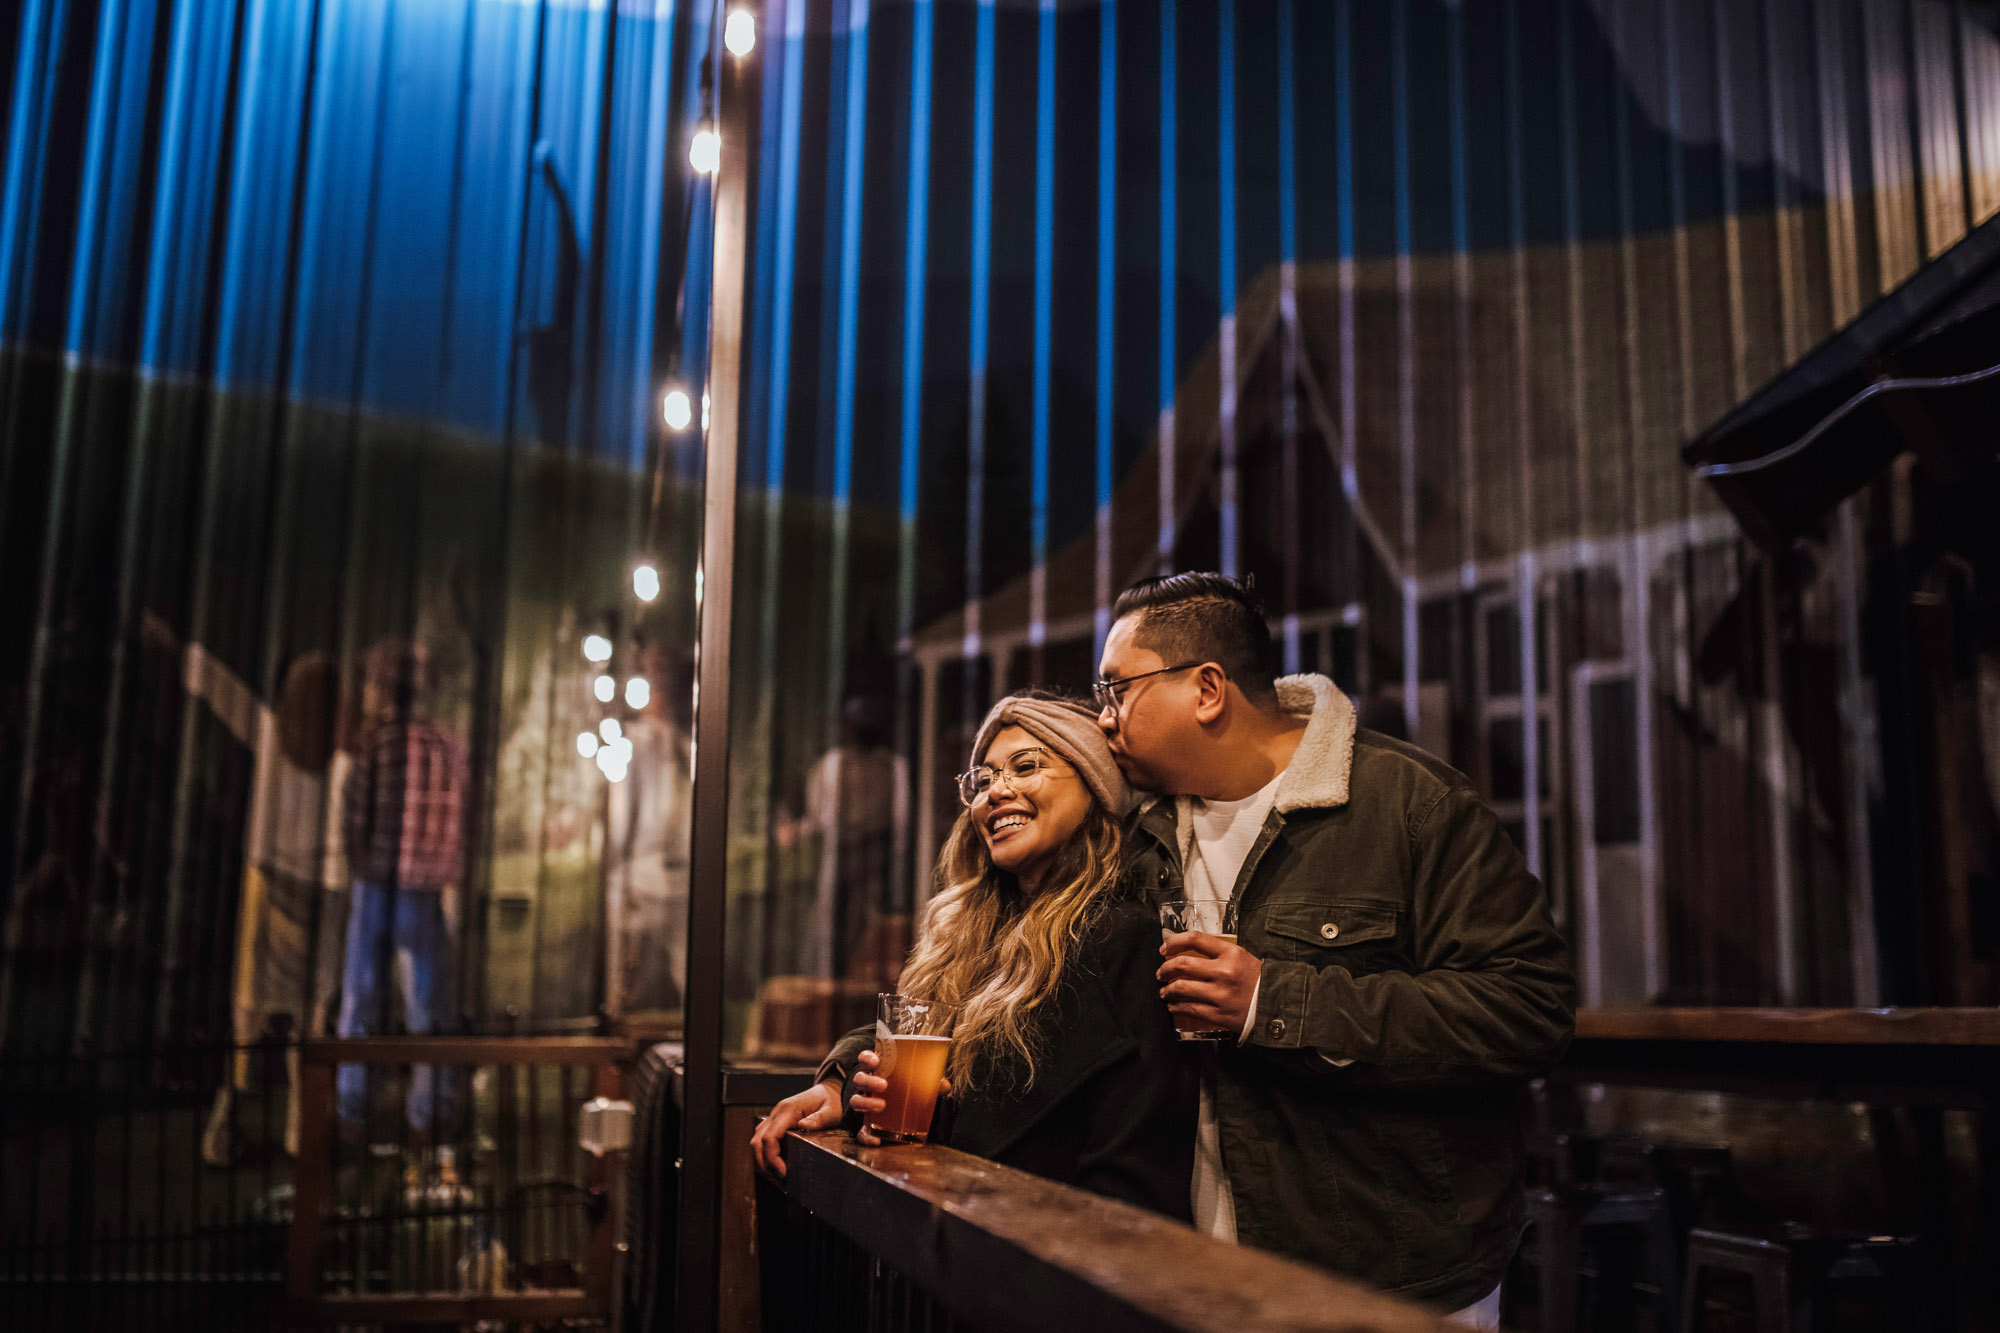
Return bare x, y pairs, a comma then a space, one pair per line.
1278, 1012
1250, 1019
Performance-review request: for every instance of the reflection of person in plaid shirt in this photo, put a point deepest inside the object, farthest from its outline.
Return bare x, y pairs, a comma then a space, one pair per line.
402, 815
402, 806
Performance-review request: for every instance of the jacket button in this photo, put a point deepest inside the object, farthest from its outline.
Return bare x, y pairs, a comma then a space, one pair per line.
1328, 931
1276, 1027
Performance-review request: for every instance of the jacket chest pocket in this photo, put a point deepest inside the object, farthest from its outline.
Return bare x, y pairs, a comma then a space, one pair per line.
1359, 936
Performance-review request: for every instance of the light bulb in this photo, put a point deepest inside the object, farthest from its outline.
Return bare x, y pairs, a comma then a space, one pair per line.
705, 150
646, 582
605, 688
739, 33
610, 730
586, 743
676, 409
597, 648
637, 692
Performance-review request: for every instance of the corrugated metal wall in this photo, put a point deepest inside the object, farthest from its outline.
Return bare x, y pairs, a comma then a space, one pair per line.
329, 320
323, 321
1404, 309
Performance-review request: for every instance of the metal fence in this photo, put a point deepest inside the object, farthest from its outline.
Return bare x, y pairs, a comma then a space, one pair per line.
158, 1189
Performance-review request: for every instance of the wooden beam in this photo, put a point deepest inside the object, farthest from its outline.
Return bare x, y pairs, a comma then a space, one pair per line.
1842, 1027
1004, 1250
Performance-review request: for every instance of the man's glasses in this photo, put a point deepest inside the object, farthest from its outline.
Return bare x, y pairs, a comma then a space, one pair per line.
1105, 692
1022, 771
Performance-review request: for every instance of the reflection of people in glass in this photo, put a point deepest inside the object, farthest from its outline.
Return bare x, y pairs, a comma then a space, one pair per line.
1064, 1061
402, 816
857, 801
294, 885
647, 824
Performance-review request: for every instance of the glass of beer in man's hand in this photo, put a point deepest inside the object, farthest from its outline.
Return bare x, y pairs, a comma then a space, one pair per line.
1209, 918
912, 1039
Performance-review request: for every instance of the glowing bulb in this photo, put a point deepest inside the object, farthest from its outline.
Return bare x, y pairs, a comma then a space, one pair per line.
704, 412
677, 410
610, 730
597, 648
739, 34
705, 150
646, 582
586, 743
611, 763
605, 688
637, 692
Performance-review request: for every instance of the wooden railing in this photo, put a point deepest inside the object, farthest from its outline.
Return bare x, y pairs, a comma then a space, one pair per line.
598, 1061
903, 1238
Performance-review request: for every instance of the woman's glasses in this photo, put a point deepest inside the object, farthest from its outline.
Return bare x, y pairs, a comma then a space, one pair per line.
1022, 771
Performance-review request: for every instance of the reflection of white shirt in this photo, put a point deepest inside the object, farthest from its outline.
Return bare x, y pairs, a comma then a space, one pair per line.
1222, 835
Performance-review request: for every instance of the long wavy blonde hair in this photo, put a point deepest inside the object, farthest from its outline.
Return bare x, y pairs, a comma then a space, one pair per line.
999, 954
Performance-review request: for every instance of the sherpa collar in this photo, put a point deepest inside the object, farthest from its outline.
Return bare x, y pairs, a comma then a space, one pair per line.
1317, 777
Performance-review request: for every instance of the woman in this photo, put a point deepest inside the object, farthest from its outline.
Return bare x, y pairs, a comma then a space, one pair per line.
1064, 1062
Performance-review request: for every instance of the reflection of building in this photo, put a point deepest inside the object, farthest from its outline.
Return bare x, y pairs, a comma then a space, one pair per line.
1415, 459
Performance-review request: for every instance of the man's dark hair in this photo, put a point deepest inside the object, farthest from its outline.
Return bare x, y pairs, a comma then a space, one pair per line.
1205, 617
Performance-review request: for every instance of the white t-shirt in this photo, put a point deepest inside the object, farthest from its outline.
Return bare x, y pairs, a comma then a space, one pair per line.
1224, 832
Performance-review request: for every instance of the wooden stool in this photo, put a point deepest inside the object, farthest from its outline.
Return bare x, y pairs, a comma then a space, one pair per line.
1566, 1221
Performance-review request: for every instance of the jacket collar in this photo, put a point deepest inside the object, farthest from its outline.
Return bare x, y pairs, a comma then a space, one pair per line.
1317, 777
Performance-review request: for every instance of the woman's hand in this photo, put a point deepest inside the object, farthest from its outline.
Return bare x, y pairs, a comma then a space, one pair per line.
818, 1107
869, 1090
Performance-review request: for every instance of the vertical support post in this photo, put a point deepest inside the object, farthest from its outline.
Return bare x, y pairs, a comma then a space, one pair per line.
309, 1178
696, 1276
607, 1181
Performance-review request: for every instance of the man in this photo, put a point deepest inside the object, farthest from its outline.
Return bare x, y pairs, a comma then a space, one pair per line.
1395, 970
402, 814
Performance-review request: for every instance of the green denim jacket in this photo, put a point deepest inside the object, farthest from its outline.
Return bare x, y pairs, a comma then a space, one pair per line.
1412, 977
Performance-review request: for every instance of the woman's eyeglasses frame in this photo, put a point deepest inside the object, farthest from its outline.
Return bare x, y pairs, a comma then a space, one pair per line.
971, 794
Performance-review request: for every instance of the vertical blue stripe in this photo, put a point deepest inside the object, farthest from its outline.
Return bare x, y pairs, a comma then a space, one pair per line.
1107, 235
654, 153
160, 263
96, 155
1461, 204
1288, 171
1225, 59
1225, 62
915, 259
788, 227
853, 160
1045, 242
1343, 98
982, 269
26, 130
1169, 197
246, 190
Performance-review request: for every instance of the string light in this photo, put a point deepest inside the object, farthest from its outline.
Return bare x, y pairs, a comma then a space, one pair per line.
586, 743
605, 689
705, 150
597, 648
646, 583
676, 409
739, 33
637, 692
610, 730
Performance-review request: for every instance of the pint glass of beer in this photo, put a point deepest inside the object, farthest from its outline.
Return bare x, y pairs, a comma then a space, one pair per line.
1210, 918
912, 1037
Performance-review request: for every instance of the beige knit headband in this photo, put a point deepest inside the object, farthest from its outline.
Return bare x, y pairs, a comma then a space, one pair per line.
1071, 730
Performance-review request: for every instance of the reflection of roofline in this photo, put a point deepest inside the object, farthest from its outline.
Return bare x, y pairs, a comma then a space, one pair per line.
1260, 318
1126, 540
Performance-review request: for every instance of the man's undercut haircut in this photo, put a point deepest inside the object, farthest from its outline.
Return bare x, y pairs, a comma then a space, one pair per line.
1205, 617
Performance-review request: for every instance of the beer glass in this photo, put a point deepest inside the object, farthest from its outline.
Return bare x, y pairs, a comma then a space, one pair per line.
1210, 918
912, 1038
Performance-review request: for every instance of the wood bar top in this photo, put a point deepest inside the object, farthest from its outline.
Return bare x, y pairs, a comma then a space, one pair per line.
1005, 1250
1815, 1027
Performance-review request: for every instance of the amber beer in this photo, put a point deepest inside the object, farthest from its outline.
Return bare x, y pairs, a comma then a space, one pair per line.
1210, 918
913, 1039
